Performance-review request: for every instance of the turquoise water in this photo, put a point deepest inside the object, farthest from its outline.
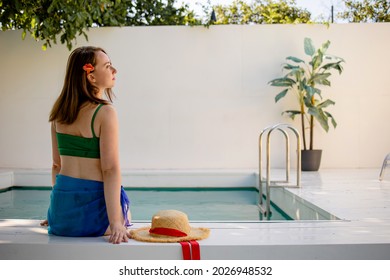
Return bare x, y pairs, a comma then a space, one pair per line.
200, 204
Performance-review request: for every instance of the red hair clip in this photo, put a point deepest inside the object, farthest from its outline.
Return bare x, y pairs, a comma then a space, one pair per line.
88, 68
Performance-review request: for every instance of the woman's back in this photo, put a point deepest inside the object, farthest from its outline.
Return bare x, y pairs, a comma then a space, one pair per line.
73, 163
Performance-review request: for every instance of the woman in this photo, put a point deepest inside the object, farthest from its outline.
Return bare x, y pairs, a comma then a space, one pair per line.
87, 197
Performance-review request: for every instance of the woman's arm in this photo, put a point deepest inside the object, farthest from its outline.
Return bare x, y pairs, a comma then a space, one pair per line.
109, 157
56, 167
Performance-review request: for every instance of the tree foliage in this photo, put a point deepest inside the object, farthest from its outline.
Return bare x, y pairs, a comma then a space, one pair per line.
48, 20
304, 79
366, 11
261, 12
159, 12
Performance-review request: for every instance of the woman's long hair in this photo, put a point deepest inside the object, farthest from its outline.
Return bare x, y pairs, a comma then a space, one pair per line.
77, 89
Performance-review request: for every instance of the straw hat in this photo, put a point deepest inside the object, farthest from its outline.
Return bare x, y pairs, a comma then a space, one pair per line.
169, 226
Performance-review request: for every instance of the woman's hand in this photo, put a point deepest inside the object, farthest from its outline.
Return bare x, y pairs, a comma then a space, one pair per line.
44, 223
118, 233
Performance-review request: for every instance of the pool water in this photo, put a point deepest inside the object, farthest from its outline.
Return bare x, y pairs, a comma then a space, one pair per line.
200, 204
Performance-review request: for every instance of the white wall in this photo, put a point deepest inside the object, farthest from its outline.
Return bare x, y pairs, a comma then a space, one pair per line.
197, 98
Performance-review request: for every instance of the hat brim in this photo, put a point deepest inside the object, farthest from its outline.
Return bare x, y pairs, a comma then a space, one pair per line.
142, 234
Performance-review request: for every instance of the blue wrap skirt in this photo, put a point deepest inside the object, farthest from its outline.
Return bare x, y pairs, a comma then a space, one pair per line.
78, 208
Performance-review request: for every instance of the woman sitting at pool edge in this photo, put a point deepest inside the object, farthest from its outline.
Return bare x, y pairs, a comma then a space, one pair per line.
87, 197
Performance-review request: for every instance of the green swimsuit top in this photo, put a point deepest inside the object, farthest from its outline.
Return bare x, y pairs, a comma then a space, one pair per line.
77, 146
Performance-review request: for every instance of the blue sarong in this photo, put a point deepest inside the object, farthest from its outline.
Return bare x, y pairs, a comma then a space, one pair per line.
77, 207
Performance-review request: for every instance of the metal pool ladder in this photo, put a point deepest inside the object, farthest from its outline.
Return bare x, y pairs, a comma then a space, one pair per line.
283, 128
386, 162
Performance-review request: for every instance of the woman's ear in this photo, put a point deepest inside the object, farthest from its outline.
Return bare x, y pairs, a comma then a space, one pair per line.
91, 78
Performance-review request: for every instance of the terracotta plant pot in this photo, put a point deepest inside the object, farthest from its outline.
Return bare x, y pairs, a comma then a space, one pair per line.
310, 160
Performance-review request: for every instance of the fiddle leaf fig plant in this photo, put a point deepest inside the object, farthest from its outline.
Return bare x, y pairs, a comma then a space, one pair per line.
303, 79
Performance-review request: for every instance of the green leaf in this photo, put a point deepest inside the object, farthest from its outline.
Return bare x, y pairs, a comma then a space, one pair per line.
319, 115
333, 65
326, 103
309, 47
320, 78
307, 100
316, 61
325, 47
33, 22
325, 82
282, 82
290, 67
292, 113
295, 59
297, 73
281, 95
332, 119
310, 91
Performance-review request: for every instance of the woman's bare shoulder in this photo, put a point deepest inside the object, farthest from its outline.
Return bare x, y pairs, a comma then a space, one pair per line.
108, 113
108, 108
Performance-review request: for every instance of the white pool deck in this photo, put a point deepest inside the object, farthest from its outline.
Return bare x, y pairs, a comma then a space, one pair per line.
356, 196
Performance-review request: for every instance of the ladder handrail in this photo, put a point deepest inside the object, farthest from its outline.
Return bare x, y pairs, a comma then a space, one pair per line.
270, 130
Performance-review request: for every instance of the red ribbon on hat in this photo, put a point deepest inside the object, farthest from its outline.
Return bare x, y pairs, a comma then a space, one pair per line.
191, 250
168, 232
195, 250
186, 249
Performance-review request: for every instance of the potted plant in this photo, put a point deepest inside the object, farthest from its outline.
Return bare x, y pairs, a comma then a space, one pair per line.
303, 80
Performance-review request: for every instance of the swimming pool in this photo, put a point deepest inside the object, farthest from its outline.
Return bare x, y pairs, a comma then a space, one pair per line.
200, 204
359, 200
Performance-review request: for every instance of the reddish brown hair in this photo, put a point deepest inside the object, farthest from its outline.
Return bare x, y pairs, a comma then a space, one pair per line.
77, 90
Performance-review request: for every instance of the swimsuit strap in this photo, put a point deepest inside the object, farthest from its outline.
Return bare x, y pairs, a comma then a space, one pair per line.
93, 119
